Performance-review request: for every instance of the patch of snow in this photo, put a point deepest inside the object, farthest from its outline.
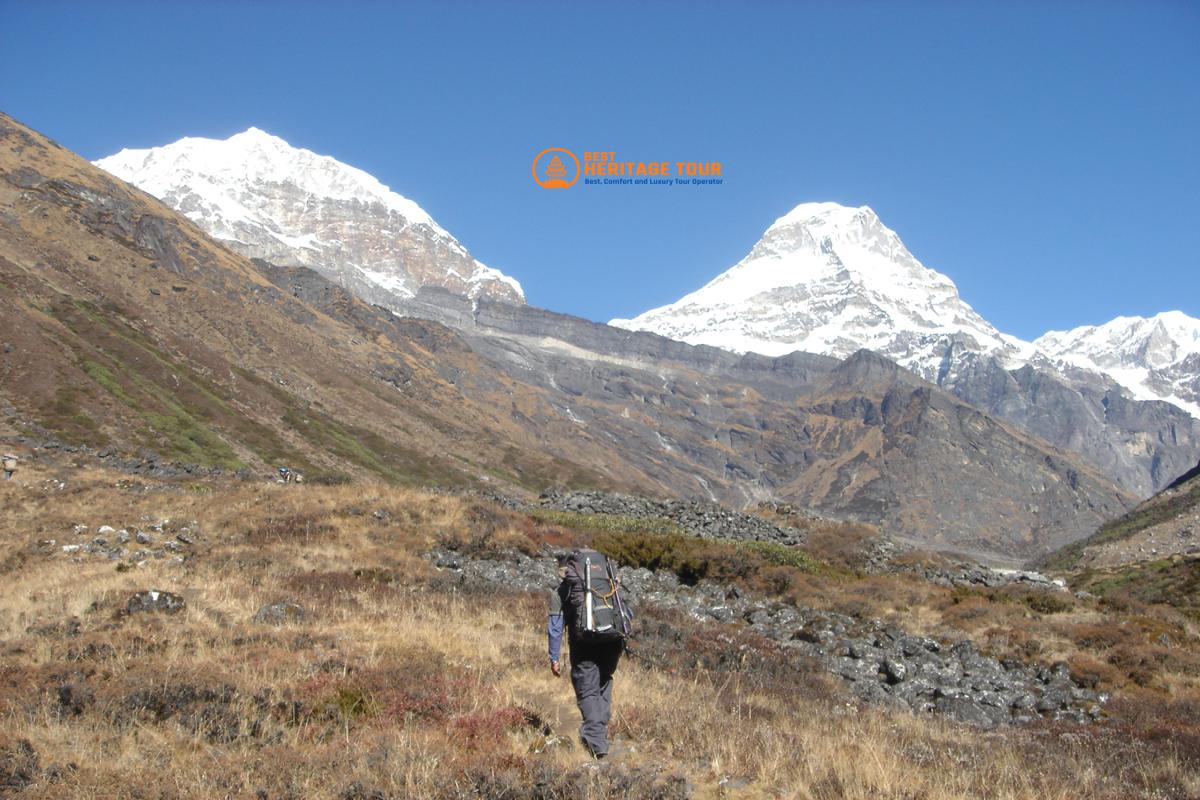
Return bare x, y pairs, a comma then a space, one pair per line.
388, 281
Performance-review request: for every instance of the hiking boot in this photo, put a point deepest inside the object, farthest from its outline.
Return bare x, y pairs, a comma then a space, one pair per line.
588, 749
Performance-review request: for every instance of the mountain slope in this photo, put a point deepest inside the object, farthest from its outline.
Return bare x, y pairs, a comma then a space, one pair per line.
268, 199
859, 439
1165, 526
128, 330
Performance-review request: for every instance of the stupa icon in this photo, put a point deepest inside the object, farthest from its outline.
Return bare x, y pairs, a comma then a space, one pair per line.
551, 173
555, 168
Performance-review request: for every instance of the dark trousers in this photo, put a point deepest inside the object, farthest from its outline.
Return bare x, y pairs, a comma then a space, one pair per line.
592, 668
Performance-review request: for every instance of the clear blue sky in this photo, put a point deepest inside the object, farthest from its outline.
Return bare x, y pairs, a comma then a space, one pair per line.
1043, 155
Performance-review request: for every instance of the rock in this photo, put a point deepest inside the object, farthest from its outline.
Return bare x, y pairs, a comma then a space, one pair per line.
852, 670
728, 783
152, 600
142, 538
721, 613
280, 613
448, 561
1053, 700
895, 670
964, 709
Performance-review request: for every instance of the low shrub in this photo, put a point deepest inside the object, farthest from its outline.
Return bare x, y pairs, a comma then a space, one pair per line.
293, 528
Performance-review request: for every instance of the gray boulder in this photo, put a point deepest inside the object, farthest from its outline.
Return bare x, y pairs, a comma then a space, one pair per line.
152, 600
280, 613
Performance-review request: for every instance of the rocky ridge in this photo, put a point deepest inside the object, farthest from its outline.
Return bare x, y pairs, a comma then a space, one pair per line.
696, 518
831, 279
1155, 358
132, 546
1165, 527
879, 663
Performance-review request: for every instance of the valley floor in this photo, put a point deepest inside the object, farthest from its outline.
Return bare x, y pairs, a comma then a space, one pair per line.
391, 678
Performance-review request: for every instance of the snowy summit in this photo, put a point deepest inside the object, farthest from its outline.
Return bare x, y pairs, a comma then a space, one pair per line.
826, 278
292, 206
1156, 358
831, 279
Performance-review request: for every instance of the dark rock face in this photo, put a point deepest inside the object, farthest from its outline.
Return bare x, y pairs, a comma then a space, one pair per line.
155, 601
880, 664
1139, 445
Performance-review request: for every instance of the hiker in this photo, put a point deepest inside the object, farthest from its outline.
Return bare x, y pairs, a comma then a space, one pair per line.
10, 466
588, 603
285, 475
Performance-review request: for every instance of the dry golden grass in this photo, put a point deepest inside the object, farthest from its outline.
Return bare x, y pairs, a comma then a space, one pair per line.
397, 684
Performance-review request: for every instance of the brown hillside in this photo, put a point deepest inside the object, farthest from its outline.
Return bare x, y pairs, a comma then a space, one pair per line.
127, 328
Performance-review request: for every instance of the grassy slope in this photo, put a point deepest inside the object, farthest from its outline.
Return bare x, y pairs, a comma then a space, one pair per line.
1173, 502
1173, 580
401, 684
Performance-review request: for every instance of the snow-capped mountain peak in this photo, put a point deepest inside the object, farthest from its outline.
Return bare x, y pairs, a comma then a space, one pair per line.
827, 278
830, 279
1159, 341
1156, 358
290, 205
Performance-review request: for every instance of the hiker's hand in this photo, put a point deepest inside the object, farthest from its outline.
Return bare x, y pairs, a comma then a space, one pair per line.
555, 668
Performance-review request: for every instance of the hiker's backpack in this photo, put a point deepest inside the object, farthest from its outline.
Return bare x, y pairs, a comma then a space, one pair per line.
602, 613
